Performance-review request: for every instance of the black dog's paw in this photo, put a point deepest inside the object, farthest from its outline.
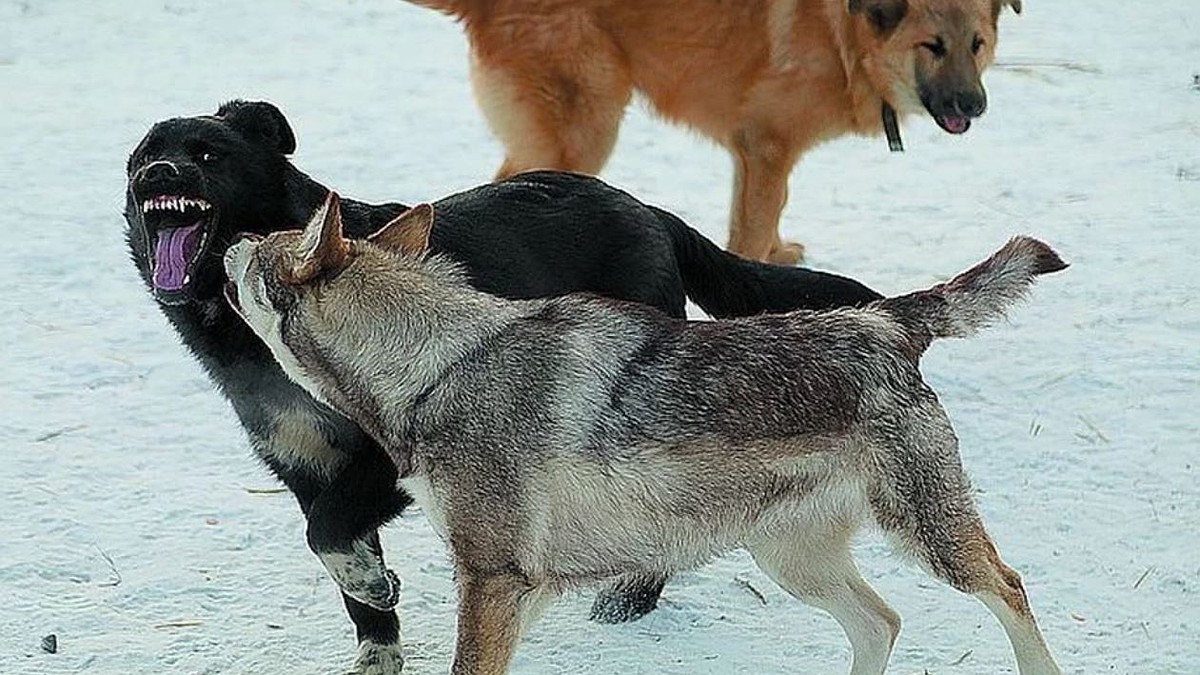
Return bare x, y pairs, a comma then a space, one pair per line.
376, 658
362, 575
388, 590
381, 592
629, 599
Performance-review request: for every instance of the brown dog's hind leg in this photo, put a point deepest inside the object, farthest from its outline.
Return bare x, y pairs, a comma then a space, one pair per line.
762, 163
554, 95
820, 572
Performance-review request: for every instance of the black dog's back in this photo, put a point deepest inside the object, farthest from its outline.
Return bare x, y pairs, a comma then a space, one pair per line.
548, 233
545, 233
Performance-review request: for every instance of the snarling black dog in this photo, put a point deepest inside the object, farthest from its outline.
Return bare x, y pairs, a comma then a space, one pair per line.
196, 182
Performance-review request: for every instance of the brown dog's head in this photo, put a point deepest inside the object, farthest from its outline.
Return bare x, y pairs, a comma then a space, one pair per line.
930, 54
297, 289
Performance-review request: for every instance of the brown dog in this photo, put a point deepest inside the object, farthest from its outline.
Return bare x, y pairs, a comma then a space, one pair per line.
767, 79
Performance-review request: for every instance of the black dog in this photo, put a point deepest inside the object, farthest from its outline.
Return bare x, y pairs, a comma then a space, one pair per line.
196, 182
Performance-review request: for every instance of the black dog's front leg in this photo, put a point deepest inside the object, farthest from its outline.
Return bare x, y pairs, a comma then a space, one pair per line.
342, 527
343, 519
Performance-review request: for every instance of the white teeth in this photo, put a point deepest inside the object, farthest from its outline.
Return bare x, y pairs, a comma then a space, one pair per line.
174, 203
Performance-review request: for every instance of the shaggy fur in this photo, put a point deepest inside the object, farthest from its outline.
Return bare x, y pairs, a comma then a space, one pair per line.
195, 182
567, 441
767, 79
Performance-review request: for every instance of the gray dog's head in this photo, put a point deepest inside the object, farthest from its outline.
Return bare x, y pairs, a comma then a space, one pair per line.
298, 289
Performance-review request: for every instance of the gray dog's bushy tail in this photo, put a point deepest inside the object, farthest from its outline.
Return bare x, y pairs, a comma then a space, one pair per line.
976, 298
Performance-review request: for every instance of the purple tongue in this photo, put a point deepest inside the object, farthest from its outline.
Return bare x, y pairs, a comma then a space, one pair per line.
172, 253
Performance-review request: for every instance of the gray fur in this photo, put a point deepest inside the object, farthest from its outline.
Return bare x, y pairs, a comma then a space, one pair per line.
567, 441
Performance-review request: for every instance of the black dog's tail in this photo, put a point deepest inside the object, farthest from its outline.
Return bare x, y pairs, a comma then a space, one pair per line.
976, 298
726, 285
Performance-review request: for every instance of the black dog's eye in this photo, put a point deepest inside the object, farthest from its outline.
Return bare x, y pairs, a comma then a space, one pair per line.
937, 47
208, 157
976, 44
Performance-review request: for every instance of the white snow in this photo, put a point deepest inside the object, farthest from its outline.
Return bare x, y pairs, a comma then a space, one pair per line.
127, 526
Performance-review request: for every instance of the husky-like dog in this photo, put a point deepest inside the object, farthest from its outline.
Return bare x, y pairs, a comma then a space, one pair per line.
564, 441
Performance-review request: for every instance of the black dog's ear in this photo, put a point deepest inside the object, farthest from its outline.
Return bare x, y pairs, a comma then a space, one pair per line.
884, 15
262, 120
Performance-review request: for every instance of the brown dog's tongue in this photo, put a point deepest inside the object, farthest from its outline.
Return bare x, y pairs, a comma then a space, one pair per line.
891, 128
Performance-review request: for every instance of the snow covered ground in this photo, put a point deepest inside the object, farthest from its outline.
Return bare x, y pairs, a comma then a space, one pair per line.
131, 519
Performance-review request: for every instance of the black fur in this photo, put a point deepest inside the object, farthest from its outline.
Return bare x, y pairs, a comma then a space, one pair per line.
537, 234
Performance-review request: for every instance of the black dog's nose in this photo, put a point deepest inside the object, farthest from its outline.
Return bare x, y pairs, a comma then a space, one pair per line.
970, 103
161, 170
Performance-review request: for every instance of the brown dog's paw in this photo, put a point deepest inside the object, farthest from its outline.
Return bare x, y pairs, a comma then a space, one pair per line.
786, 253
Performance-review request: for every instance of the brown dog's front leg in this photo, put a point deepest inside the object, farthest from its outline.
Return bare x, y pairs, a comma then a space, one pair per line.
762, 164
488, 622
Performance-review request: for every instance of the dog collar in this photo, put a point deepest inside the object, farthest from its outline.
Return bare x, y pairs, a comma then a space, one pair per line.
891, 128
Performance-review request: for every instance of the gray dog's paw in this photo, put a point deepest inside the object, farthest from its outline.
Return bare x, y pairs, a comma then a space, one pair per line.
363, 577
375, 658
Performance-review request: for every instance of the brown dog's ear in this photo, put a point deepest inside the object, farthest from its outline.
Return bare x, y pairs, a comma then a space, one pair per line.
998, 5
322, 246
884, 15
408, 233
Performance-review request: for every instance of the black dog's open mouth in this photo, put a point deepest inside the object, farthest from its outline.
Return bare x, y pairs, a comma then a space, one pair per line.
179, 228
953, 124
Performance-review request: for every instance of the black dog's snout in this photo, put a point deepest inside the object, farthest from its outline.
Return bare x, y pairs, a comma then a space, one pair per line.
970, 103
160, 170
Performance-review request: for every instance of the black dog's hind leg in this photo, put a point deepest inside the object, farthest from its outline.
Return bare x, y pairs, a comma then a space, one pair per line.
629, 598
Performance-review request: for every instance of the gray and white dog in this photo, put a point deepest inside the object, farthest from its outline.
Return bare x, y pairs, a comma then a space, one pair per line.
565, 441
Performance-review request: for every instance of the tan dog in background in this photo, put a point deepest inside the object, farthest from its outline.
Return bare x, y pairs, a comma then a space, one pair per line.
767, 79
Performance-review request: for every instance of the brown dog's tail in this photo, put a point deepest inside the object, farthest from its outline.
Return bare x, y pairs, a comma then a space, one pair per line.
976, 298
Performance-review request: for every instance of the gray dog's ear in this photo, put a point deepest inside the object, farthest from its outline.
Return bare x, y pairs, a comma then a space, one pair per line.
323, 249
408, 233
884, 15
998, 5
259, 119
